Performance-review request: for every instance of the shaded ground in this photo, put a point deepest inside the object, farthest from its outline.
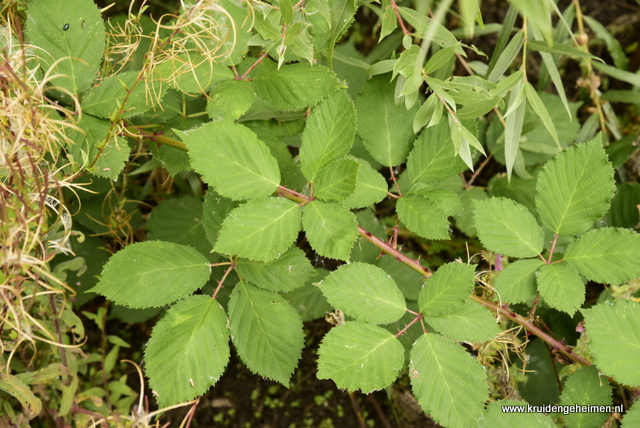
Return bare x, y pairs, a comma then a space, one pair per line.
242, 400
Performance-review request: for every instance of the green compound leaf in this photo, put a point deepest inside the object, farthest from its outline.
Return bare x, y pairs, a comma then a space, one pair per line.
330, 228
107, 98
337, 181
614, 332
188, 350
71, 33
472, 322
215, 209
386, 129
496, 416
447, 200
371, 187
88, 140
506, 227
433, 157
365, 292
266, 331
450, 385
539, 108
296, 86
423, 216
357, 355
232, 159
608, 255
328, 134
586, 386
179, 220
517, 282
230, 99
575, 188
447, 289
260, 229
286, 273
152, 274
561, 287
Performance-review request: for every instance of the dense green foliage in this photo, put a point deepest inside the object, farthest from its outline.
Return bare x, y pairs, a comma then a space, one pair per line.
282, 148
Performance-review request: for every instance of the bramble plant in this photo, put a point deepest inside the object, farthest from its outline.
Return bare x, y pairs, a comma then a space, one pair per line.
292, 132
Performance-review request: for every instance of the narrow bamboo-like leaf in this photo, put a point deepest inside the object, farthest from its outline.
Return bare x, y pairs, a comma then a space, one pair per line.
559, 48
231, 158
382, 67
365, 292
260, 230
517, 282
469, 9
450, 385
179, 220
152, 274
423, 216
440, 58
230, 99
608, 255
337, 181
561, 287
215, 209
625, 76
575, 188
506, 57
328, 134
539, 108
360, 356
286, 273
424, 113
71, 38
506, 227
477, 109
330, 228
266, 331
539, 14
389, 20
108, 97
497, 416
586, 386
433, 156
188, 350
613, 45
460, 143
614, 331
371, 187
296, 86
552, 68
471, 322
385, 128
447, 289
513, 130
503, 37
